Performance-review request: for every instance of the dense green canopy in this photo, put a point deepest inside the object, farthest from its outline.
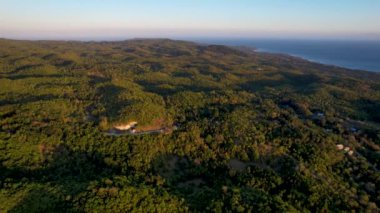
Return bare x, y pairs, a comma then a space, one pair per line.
254, 131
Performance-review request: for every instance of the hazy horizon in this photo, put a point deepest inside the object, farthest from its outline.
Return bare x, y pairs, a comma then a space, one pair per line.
119, 20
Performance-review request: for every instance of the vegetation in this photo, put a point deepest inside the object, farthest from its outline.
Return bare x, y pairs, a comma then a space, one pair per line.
256, 131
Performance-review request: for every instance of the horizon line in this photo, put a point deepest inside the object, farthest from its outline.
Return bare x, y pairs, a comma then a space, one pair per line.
184, 38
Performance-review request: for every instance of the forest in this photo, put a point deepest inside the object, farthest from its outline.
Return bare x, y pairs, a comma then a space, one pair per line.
218, 129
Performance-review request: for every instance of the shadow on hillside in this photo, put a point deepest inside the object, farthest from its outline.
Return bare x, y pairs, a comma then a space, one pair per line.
28, 99
202, 183
43, 85
189, 179
369, 109
63, 173
24, 76
40, 200
25, 67
171, 90
109, 98
297, 83
66, 173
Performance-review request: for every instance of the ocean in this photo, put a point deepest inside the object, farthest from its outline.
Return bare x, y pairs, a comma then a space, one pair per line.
359, 55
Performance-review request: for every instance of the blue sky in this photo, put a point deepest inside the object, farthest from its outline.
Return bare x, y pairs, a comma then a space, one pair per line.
358, 19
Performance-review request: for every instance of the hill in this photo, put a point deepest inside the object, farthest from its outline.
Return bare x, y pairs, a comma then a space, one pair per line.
165, 126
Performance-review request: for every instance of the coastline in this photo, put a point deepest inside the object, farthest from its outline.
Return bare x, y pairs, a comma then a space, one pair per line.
354, 55
321, 62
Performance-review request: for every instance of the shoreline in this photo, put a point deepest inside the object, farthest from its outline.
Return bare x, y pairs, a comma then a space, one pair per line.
266, 51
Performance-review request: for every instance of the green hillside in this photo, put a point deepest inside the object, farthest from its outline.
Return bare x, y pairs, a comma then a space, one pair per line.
220, 129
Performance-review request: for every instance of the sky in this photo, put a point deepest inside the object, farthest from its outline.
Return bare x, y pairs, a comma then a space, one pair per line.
119, 19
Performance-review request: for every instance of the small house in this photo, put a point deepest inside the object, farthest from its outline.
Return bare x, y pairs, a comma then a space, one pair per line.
126, 127
340, 146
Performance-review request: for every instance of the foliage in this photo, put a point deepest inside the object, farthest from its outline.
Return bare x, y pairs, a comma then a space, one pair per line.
254, 131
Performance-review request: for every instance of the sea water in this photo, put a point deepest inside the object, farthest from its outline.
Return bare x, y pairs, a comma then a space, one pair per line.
360, 55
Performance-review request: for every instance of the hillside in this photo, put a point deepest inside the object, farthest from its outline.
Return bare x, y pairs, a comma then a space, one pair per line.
217, 129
